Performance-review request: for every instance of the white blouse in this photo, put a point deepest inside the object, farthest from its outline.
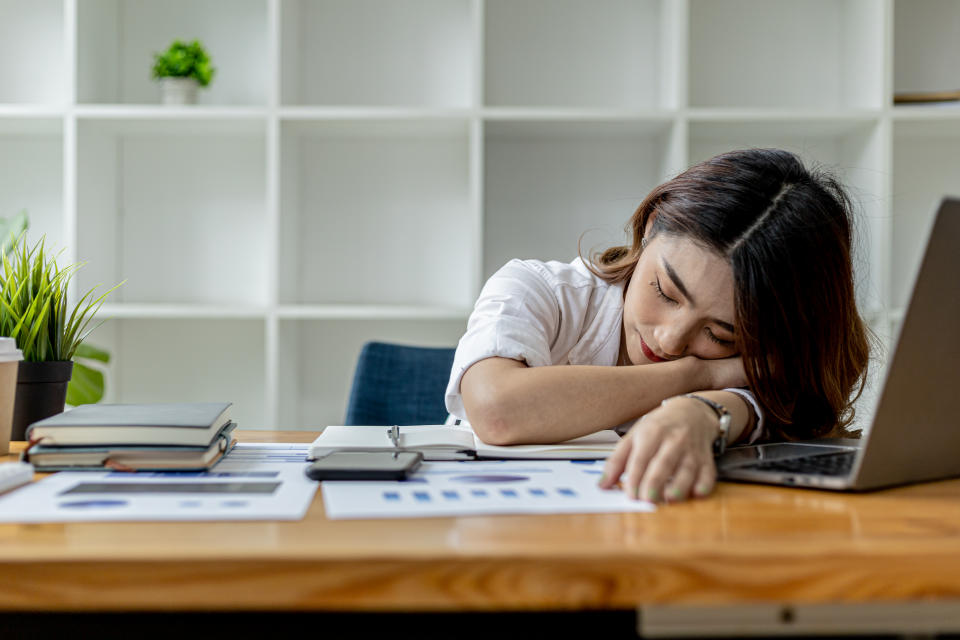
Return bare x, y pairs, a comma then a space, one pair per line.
546, 313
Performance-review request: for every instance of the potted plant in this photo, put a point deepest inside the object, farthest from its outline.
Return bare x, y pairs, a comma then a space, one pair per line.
34, 311
87, 384
181, 69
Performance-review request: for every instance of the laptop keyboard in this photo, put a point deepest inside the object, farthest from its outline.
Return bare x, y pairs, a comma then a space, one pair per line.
827, 464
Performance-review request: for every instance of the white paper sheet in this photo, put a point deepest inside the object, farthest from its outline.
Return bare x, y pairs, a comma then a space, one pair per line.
475, 488
253, 482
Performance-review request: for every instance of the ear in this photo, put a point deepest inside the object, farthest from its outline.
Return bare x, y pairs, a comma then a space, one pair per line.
649, 225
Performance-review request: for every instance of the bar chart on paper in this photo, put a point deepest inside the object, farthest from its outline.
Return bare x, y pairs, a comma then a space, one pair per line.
476, 488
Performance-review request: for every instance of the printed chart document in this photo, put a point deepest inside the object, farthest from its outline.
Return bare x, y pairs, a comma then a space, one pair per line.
476, 488
253, 482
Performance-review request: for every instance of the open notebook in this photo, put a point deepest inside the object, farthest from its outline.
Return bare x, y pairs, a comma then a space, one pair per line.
456, 442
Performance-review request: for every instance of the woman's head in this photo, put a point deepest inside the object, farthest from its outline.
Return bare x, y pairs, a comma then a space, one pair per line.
750, 254
679, 302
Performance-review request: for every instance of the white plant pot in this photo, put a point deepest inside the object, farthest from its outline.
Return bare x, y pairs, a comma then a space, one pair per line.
178, 90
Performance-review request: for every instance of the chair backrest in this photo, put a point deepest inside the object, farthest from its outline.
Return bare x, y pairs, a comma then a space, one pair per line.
398, 384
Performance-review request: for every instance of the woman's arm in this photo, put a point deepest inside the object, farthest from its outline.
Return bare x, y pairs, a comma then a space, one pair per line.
668, 454
510, 403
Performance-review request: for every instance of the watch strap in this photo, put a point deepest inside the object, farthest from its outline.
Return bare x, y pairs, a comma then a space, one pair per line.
724, 418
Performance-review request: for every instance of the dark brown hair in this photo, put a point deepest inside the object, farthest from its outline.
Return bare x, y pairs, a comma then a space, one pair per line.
786, 232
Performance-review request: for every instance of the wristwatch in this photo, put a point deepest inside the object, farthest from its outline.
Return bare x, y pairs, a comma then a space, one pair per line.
720, 442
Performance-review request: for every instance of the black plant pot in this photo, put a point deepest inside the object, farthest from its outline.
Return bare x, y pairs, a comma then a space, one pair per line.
41, 393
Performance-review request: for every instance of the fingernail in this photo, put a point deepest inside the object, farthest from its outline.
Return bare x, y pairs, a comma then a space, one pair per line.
675, 494
635, 492
603, 478
653, 494
701, 490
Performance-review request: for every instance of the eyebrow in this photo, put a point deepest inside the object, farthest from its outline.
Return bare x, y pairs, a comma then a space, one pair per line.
678, 283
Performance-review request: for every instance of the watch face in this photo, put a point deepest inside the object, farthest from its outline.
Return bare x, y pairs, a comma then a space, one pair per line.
720, 442
725, 425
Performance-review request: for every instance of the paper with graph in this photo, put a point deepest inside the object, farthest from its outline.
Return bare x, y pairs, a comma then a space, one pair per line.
476, 488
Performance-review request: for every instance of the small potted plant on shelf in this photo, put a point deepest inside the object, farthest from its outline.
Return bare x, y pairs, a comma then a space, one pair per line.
181, 69
34, 311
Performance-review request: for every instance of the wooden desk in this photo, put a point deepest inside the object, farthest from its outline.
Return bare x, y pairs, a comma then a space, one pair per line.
746, 544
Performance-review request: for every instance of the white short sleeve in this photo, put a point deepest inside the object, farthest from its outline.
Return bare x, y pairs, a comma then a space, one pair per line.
517, 316
747, 395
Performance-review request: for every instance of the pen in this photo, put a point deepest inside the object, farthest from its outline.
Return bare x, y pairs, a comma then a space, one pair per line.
394, 434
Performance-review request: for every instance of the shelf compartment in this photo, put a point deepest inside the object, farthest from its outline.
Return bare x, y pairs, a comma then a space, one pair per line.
179, 311
32, 61
414, 53
31, 176
370, 312
550, 184
387, 113
933, 112
31, 118
357, 201
567, 53
925, 46
318, 358
778, 53
784, 116
578, 114
851, 149
116, 41
175, 209
885, 332
926, 167
181, 360
186, 119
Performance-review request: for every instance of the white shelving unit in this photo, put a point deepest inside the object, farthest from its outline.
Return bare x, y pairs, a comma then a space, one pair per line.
359, 167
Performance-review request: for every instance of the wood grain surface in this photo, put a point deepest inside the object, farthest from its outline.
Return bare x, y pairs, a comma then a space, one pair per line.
745, 544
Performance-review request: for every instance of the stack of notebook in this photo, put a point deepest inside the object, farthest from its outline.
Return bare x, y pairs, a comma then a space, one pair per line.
133, 437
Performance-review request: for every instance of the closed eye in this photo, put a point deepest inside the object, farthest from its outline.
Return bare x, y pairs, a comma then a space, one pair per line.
656, 285
713, 337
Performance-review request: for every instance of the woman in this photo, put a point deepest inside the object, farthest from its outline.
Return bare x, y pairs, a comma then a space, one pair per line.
739, 276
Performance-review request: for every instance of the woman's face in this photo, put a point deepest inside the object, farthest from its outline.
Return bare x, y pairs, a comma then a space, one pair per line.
679, 303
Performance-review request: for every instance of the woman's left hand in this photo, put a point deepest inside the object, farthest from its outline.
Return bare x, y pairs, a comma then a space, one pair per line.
667, 454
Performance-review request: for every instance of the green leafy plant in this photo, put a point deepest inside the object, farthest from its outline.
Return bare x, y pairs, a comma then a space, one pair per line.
184, 60
34, 311
88, 383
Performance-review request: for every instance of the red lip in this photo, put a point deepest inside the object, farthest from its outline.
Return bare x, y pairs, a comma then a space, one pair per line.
650, 354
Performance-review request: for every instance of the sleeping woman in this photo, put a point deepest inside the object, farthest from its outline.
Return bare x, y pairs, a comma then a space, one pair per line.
729, 318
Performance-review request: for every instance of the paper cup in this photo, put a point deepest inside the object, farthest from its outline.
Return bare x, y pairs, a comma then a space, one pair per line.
10, 358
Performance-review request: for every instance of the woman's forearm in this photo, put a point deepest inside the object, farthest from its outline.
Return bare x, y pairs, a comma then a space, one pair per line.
742, 417
510, 403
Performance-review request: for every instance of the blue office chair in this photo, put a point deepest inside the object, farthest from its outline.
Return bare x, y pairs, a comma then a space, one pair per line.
396, 384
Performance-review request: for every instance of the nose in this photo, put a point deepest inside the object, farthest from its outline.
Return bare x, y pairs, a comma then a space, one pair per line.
673, 339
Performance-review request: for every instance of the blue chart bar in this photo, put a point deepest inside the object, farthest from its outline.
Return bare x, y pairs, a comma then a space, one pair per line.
391, 495
421, 496
508, 493
451, 495
479, 493
539, 493
567, 493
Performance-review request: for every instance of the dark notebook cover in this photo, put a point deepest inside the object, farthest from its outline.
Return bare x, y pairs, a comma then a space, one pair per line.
133, 457
182, 423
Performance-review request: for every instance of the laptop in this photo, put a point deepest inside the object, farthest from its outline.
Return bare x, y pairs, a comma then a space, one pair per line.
915, 432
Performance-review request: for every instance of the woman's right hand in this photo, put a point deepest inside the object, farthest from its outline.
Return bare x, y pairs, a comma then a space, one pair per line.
723, 373
667, 454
